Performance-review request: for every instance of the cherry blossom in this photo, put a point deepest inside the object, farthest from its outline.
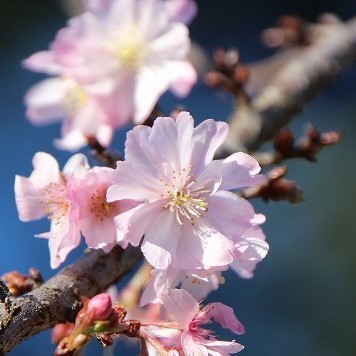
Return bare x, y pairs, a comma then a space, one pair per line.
73, 200
95, 214
195, 339
45, 193
188, 218
63, 98
111, 65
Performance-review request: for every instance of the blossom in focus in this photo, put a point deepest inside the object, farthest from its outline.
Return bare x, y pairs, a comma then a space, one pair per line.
122, 56
95, 214
45, 193
195, 339
75, 202
185, 215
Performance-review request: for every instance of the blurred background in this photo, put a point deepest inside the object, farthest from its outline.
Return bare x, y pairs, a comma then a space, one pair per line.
302, 299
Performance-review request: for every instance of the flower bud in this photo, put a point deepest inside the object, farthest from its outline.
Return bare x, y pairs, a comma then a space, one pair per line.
60, 331
100, 307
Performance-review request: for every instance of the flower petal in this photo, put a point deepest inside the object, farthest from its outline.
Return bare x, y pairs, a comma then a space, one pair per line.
46, 170
158, 245
225, 316
192, 347
229, 213
202, 246
132, 224
240, 170
147, 187
171, 141
181, 306
76, 167
45, 101
207, 137
28, 200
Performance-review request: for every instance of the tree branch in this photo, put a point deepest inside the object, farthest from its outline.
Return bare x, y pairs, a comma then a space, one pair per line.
57, 300
290, 80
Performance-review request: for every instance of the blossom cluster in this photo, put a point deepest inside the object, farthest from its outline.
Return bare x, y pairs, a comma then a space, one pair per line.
109, 66
168, 196
184, 334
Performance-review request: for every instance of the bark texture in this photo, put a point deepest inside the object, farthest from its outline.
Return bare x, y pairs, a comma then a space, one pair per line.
287, 82
58, 300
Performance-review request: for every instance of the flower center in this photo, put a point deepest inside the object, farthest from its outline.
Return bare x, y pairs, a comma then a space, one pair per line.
185, 200
75, 97
100, 208
54, 201
128, 47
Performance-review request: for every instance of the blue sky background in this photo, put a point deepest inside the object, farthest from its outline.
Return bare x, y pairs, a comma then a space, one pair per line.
302, 299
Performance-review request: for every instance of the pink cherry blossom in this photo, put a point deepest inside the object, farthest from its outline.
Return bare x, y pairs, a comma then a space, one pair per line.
121, 55
195, 339
45, 193
95, 214
186, 213
59, 98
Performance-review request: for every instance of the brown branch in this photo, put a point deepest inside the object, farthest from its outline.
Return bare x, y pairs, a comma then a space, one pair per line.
298, 76
57, 300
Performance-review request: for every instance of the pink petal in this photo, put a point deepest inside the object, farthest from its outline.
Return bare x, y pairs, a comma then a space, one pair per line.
76, 167
138, 150
240, 170
161, 238
171, 142
99, 234
43, 62
172, 44
45, 101
63, 238
184, 76
229, 213
250, 250
225, 316
192, 347
181, 306
151, 84
28, 200
132, 224
156, 286
72, 141
182, 10
146, 16
98, 6
147, 187
222, 348
203, 247
46, 170
207, 137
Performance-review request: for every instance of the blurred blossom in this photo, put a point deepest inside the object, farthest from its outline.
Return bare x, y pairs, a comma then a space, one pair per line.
111, 65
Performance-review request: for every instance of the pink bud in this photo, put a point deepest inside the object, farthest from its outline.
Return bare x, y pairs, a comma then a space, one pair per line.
60, 331
100, 306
